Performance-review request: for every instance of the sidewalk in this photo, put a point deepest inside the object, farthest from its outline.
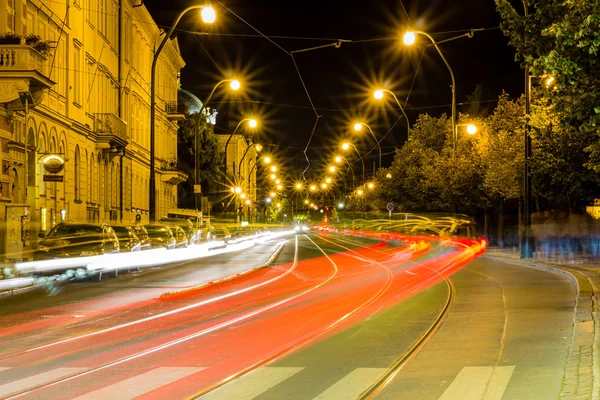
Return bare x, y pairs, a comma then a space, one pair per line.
582, 372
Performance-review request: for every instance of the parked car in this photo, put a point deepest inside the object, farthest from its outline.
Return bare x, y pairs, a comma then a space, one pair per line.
161, 236
128, 240
142, 235
193, 235
69, 239
220, 234
181, 240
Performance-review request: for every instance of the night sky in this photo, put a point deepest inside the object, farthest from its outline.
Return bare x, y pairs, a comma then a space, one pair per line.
339, 80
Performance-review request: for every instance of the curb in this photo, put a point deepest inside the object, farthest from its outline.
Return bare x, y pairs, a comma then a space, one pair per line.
191, 290
582, 374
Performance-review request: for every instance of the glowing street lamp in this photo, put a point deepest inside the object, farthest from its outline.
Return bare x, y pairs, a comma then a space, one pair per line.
298, 186
234, 84
277, 181
328, 180
209, 16
267, 160
238, 190
324, 186
471, 129
379, 93
248, 202
388, 175
359, 192
272, 177
306, 201
332, 169
273, 168
370, 185
279, 187
346, 146
251, 123
313, 188
358, 127
409, 40
273, 195
243, 196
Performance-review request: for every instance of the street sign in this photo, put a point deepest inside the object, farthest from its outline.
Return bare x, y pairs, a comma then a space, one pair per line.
197, 189
53, 178
390, 207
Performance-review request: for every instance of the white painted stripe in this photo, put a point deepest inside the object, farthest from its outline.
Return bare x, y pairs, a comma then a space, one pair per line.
4, 368
479, 383
353, 384
253, 384
35, 380
141, 384
498, 382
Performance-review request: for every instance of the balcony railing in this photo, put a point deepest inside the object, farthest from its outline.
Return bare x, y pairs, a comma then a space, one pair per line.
22, 66
111, 126
20, 57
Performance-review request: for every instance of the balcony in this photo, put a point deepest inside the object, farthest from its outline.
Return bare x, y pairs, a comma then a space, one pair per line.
22, 69
175, 111
170, 172
110, 129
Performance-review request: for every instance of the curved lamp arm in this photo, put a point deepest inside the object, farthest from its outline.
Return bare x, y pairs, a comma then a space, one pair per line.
229, 139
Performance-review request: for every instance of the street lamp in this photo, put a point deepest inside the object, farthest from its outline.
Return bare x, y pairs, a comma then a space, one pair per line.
409, 39
313, 188
208, 16
258, 148
379, 94
358, 127
328, 180
346, 146
332, 169
251, 123
339, 159
298, 186
273, 168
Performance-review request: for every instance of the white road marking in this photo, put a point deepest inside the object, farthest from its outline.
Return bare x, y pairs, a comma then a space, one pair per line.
479, 383
353, 384
37, 380
141, 384
253, 384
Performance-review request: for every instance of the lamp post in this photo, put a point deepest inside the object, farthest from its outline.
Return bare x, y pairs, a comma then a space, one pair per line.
379, 93
346, 146
409, 39
338, 159
527, 237
208, 16
234, 84
251, 123
258, 149
358, 127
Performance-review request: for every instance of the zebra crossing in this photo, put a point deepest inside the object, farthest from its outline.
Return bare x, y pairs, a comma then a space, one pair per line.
481, 383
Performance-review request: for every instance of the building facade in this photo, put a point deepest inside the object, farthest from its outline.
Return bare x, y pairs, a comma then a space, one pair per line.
88, 102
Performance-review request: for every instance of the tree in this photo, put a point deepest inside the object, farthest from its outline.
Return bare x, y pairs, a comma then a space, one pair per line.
210, 159
562, 38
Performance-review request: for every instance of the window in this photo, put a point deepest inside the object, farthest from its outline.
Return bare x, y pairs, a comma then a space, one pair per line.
77, 171
77, 74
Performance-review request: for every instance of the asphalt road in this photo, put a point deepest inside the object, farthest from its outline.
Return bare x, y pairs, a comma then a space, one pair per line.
327, 321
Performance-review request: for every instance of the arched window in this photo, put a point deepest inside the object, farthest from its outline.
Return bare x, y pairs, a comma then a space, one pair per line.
40, 168
77, 168
91, 179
